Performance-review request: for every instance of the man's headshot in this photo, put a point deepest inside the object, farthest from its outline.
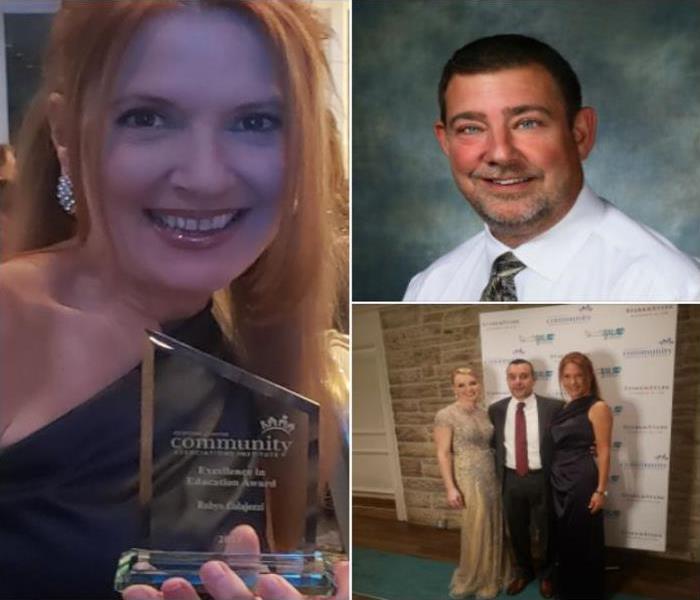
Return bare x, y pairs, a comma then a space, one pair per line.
514, 133
515, 130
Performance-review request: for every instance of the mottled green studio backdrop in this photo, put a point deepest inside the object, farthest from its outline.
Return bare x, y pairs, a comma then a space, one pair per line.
639, 65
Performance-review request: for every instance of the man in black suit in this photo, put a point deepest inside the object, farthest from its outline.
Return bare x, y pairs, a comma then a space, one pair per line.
523, 459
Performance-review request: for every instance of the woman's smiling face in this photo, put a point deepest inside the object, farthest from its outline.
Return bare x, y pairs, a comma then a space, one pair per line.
575, 381
193, 162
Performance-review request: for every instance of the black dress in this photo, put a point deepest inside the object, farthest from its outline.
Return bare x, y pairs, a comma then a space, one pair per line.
574, 478
68, 492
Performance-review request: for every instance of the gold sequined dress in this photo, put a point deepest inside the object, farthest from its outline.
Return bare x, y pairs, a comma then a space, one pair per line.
483, 567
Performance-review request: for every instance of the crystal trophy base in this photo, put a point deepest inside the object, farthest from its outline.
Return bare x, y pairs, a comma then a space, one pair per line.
311, 574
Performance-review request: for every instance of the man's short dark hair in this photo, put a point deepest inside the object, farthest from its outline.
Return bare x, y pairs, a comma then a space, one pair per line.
507, 51
522, 361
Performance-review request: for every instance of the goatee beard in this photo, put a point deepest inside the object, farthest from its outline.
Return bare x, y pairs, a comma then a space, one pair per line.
539, 210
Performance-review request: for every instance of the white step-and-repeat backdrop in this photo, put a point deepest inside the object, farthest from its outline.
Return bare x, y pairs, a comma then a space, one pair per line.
633, 351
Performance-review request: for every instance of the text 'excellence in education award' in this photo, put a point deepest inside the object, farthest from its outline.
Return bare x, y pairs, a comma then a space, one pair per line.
221, 447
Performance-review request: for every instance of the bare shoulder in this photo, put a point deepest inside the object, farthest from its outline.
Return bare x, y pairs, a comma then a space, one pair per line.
600, 410
23, 281
19, 290
43, 338
25, 314
23, 275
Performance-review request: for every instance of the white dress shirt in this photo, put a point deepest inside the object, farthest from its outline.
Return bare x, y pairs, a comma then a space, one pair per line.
595, 253
532, 428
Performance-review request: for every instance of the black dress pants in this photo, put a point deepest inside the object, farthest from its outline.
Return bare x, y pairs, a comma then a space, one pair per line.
526, 502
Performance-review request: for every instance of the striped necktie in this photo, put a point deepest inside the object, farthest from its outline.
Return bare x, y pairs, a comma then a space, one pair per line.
501, 285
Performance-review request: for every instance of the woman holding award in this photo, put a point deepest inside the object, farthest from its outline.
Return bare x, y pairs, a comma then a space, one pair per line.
176, 152
463, 435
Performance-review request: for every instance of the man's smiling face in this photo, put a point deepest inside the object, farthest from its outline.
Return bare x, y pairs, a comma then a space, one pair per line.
514, 154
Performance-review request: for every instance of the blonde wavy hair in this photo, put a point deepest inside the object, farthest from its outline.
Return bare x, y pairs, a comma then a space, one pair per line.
472, 373
462, 371
275, 314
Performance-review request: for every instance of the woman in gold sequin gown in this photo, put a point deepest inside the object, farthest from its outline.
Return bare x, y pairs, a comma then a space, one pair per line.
463, 438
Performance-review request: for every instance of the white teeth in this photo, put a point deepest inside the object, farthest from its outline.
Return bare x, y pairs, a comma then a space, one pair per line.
170, 221
221, 221
189, 224
204, 225
509, 181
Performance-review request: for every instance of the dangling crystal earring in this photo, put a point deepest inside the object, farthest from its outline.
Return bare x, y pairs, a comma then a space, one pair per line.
295, 205
64, 191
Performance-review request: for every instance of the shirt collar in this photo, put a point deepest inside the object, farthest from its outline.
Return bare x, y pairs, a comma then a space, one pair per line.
529, 401
551, 252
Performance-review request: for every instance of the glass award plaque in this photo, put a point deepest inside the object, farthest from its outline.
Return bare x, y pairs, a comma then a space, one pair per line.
221, 447
310, 574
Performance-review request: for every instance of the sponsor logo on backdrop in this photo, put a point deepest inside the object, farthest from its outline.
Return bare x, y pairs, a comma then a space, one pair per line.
608, 372
500, 324
617, 409
544, 375
655, 465
612, 514
647, 310
642, 535
647, 498
518, 352
606, 334
568, 319
614, 478
538, 338
646, 390
616, 445
498, 361
666, 342
648, 352
645, 428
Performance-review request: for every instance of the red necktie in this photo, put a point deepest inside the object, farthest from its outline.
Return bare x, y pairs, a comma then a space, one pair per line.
520, 441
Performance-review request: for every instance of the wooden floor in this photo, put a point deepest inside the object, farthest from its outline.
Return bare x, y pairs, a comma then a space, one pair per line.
638, 574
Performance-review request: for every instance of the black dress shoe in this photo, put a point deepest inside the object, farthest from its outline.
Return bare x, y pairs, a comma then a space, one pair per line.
518, 585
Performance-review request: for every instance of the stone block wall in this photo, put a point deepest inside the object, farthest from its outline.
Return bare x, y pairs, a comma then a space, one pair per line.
424, 343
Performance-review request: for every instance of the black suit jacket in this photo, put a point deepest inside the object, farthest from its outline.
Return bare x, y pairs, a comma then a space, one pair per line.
546, 409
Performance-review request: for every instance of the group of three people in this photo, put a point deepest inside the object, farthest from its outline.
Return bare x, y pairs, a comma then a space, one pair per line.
529, 462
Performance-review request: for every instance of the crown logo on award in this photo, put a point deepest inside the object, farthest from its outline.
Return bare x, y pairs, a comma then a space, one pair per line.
272, 424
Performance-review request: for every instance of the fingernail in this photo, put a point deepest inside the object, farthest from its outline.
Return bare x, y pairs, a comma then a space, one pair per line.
139, 593
240, 534
175, 589
218, 569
